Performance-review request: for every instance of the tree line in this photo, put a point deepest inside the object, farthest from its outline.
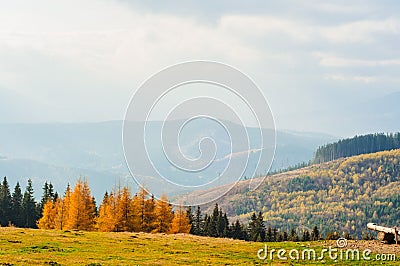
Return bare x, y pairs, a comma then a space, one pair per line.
121, 211
357, 145
217, 225
18, 209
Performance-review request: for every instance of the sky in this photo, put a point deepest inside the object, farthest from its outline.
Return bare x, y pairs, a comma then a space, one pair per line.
318, 63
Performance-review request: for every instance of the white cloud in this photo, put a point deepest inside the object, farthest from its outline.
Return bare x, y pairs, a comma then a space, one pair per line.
343, 77
351, 8
245, 25
80, 54
329, 60
361, 31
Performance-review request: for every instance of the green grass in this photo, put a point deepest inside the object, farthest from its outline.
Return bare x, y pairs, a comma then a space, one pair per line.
51, 247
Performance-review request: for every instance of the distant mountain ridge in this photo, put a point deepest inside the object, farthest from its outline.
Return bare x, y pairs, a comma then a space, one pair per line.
61, 152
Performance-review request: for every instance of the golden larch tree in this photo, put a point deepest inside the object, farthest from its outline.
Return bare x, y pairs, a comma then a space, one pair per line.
48, 219
123, 211
63, 209
106, 221
149, 215
135, 212
142, 196
180, 223
163, 215
82, 209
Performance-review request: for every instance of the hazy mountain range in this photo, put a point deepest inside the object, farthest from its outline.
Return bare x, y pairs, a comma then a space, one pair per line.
60, 153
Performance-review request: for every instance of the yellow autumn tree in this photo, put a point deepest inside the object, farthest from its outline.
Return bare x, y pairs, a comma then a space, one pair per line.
142, 196
123, 211
139, 213
163, 215
149, 215
48, 219
81, 213
62, 206
106, 221
135, 211
180, 223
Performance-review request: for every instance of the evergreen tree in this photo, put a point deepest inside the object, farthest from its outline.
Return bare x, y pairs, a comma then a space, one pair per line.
285, 236
48, 194
17, 218
227, 231
221, 225
5, 203
269, 236
55, 196
190, 215
29, 208
274, 234
237, 231
306, 235
293, 235
256, 228
315, 234
279, 237
260, 227
198, 223
213, 231
252, 227
207, 225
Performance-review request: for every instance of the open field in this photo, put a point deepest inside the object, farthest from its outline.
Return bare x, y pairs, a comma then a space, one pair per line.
51, 247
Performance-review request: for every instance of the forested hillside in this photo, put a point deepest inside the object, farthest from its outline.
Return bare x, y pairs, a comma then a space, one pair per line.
341, 195
356, 146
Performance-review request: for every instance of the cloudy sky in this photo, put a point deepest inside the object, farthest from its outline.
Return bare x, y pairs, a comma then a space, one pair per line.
321, 65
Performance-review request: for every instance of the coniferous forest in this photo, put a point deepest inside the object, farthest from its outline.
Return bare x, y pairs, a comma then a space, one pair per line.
357, 145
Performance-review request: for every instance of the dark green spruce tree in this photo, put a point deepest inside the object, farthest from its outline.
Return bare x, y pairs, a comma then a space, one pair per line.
315, 234
5, 203
48, 194
198, 224
190, 216
29, 208
213, 231
17, 197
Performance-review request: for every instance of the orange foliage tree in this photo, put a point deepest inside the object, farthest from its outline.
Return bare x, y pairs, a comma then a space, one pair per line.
82, 209
48, 219
118, 211
163, 215
180, 223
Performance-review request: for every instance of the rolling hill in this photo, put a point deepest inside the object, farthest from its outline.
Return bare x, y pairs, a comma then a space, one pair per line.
341, 195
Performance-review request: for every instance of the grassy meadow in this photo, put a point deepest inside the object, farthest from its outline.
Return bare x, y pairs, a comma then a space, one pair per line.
52, 247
